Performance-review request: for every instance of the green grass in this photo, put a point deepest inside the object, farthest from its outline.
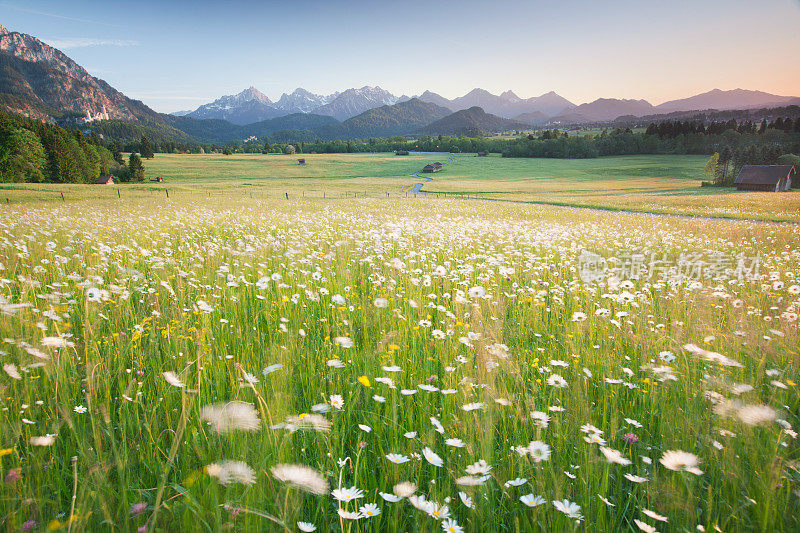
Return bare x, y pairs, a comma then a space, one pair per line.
652, 184
608, 173
180, 167
217, 291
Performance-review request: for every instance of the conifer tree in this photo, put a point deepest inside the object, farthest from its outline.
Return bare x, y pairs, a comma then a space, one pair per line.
145, 149
135, 167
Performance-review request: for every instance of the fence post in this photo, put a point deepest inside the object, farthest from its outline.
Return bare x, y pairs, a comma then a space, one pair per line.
62, 196
287, 195
119, 195
167, 191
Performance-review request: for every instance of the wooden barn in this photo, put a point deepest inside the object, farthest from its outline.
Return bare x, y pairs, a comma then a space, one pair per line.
432, 167
774, 178
105, 180
301, 161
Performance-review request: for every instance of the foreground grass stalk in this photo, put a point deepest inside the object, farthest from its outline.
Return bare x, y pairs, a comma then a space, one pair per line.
151, 523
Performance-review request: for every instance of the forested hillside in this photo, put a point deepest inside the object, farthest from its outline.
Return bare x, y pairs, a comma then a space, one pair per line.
34, 151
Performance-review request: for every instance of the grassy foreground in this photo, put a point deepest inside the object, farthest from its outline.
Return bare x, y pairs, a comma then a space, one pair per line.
255, 364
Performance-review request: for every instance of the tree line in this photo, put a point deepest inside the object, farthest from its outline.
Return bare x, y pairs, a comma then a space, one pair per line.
674, 139
669, 137
723, 167
671, 129
32, 151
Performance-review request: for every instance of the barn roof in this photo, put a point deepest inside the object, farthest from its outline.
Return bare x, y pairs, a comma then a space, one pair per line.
763, 174
105, 179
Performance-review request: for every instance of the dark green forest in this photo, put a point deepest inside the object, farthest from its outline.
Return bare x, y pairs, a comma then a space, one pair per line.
32, 151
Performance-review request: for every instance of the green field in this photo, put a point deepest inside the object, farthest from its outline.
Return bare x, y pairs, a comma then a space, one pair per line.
397, 364
655, 184
664, 184
204, 354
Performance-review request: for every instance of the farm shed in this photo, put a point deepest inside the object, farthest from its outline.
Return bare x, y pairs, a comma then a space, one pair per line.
301, 161
432, 167
401, 152
765, 178
105, 180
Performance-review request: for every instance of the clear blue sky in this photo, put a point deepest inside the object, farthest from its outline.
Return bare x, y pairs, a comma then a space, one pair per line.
179, 54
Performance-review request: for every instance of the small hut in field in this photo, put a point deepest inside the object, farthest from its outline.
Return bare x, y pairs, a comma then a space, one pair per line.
301, 161
105, 180
773, 178
432, 167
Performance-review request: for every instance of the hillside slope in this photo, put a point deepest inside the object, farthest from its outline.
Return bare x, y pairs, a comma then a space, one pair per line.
472, 122
221, 131
39, 80
386, 121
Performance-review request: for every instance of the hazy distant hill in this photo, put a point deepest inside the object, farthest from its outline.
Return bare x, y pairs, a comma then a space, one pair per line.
724, 100
506, 105
472, 121
534, 119
218, 130
437, 99
295, 121
609, 109
205, 129
549, 104
386, 121
604, 109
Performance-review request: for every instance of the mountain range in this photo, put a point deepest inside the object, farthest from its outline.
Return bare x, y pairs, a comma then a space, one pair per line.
506, 105
40, 81
550, 108
251, 105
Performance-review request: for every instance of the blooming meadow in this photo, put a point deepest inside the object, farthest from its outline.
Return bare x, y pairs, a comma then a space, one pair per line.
370, 365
